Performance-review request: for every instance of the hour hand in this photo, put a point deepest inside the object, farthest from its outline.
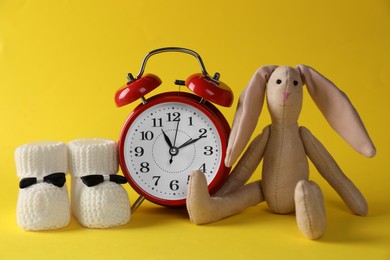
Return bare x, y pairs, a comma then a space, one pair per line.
167, 139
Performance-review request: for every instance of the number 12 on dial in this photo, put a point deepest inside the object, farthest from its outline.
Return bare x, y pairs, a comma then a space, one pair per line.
165, 139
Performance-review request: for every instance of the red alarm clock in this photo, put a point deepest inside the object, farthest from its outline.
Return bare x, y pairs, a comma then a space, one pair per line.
170, 134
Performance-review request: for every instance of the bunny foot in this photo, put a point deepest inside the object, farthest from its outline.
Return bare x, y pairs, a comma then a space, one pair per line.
310, 209
203, 209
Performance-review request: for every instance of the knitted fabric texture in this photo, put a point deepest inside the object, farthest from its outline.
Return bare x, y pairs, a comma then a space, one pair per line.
41, 159
42, 206
93, 156
106, 204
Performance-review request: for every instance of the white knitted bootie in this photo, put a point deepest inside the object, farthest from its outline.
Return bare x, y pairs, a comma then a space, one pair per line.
98, 199
43, 201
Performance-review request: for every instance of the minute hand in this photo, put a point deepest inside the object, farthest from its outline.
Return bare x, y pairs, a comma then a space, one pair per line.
191, 141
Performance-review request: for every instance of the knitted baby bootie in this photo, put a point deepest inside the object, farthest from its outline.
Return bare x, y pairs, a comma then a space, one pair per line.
43, 201
97, 198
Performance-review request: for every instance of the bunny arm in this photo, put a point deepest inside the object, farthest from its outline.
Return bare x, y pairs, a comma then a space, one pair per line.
234, 196
332, 173
247, 164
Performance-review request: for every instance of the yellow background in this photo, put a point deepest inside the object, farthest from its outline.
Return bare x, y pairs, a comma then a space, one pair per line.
62, 61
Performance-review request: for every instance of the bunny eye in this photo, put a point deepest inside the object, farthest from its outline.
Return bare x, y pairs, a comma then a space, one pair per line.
295, 82
278, 81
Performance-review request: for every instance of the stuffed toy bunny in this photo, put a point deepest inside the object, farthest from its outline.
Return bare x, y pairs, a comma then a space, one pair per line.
284, 147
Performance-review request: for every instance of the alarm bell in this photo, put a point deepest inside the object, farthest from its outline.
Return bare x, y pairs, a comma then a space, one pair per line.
202, 84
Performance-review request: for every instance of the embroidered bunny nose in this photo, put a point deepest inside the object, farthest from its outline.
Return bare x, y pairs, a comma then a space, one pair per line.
285, 95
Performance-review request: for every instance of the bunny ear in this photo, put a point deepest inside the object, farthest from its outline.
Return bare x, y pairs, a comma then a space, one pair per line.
338, 111
248, 110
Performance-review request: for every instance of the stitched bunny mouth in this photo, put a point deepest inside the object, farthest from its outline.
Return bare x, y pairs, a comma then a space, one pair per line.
284, 104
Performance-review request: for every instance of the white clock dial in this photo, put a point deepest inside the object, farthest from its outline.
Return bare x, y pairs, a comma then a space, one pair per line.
165, 143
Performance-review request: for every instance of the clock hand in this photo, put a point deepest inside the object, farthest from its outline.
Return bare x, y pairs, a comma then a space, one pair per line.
167, 139
173, 150
177, 128
191, 141
186, 142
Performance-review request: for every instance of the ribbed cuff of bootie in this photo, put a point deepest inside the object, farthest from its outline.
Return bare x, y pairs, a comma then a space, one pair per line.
41, 162
93, 157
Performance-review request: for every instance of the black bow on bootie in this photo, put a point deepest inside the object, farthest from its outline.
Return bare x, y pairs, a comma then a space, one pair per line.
95, 179
58, 179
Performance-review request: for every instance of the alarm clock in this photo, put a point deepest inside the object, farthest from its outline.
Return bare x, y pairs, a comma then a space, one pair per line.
170, 134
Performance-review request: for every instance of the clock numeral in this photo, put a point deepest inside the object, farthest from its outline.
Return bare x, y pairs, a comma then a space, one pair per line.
144, 167
156, 178
190, 121
203, 132
157, 122
139, 151
209, 150
203, 168
175, 116
148, 135
174, 185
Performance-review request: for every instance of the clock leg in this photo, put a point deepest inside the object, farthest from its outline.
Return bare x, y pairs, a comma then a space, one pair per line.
137, 203
203, 209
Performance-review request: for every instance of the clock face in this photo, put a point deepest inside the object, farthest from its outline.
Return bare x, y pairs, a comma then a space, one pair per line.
167, 138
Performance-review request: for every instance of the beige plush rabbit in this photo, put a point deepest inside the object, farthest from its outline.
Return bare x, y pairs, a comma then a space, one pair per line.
284, 146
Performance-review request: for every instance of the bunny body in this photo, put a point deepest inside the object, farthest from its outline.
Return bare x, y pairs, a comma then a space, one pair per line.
282, 172
284, 147
285, 160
